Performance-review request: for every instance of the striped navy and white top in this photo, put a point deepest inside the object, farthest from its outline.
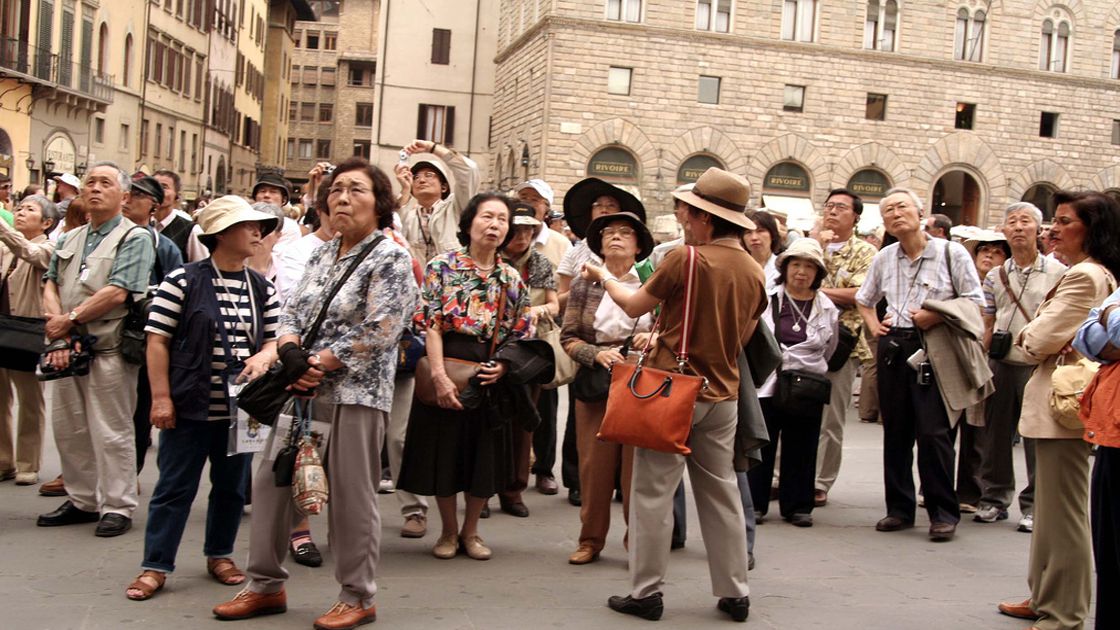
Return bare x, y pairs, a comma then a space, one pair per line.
168, 304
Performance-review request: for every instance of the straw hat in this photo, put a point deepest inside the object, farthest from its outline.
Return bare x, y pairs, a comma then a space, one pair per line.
807, 248
224, 212
986, 236
577, 203
645, 239
720, 193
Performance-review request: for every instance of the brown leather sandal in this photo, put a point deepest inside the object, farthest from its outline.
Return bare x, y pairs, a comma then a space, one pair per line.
146, 589
224, 571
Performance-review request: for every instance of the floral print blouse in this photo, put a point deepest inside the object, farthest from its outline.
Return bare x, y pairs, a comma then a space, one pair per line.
364, 321
456, 298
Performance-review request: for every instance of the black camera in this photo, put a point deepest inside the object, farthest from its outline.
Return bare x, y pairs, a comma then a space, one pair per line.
891, 352
1001, 344
925, 373
80, 359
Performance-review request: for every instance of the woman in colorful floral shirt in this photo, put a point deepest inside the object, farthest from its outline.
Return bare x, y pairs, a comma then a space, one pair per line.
449, 448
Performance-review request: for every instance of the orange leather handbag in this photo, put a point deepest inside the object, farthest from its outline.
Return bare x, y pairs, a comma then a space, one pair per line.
652, 408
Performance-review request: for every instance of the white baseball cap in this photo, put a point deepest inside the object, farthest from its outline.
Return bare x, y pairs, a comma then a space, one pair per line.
539, 185
69, 179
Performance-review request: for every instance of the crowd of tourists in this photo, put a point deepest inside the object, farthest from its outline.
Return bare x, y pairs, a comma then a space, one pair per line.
426, 337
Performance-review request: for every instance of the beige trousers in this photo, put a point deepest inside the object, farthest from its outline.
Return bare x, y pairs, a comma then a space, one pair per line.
394, 443
1060, 572
92, 420
718, 505
353, 471
832, 424
25, 451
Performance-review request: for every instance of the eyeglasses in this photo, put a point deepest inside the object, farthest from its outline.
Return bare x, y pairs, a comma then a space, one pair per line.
353, 190
426, 175
624, 232
832, 205
5, 186
609, 204
1064, 221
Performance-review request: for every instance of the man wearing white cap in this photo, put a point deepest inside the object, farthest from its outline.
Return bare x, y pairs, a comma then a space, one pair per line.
90, 276
537, 193
67, 186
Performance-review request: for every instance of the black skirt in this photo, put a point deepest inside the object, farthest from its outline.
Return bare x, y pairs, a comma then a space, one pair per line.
447, 451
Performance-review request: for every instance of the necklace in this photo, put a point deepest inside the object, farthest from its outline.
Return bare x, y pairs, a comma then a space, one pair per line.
798, 314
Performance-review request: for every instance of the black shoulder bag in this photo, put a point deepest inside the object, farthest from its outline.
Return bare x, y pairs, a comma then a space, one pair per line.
265, 397
798, 389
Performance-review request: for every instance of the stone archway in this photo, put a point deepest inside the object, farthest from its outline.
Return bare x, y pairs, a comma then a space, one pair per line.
1041, 171
622, 133
964, 151
1105, 179
704, 140
871, 155
788, 148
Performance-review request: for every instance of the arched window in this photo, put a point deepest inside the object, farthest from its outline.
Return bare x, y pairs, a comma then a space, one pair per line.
103, 48
1053, 46
882, 22
969, 35
126, 71
1116, 55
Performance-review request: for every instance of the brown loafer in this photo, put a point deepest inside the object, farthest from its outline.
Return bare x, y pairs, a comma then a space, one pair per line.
586, 554
475, 549
248, 604
53, 488
942, 532
892, 524
820, 498
415, 526
547, 485
1019, 610
343, 616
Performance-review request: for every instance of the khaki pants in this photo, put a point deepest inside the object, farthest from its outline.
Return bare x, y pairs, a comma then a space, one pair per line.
92, 420
25, 451
394, 443
599, 463
832, 424
354, 471
1060, 572
718, 505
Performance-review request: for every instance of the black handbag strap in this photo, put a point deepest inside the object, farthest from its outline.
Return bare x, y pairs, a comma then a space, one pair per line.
313, 331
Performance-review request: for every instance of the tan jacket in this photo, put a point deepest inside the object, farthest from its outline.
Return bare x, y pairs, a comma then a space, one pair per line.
1082, 287
957, 355
443, 221
25, 285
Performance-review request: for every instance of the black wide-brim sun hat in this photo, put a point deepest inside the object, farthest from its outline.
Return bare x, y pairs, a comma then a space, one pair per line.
645, 239
577, 203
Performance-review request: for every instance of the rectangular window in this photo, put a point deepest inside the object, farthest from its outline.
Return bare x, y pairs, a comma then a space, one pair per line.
170, 143
183, 151
876, 107
293, 110
125, 132
362, 148
330, 41
326, 112
1116, 132
624, 10
144, 137
618, 80
159, 140
441, 46
713, 15
436, 123
99, 130
312, 41
363, 114
966, 115
326, 76
708, 90
295, 74
799, 20
310, 75
307, 112
1048, 125
793, 98
323, 149
304, 149
291, 148
296, 35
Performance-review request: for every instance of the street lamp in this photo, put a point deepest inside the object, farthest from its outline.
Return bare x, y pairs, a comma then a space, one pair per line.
525, 155
80, 170
30, 163
48, 167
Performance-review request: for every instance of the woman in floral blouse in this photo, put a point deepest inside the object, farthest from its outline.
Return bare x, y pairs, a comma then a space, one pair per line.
449, 448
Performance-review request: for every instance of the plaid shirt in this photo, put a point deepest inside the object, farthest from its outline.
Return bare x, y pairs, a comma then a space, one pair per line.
906, 283
847, 269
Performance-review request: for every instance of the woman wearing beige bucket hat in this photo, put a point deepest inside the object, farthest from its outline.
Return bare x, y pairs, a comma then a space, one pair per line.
729, 297
804, 322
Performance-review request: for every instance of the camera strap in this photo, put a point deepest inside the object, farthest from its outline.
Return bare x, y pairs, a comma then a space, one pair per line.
1010, 293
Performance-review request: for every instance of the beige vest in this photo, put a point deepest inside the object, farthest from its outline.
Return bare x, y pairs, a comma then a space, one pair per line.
75, 287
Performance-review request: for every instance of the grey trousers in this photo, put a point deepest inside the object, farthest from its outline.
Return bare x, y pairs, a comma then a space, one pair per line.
835, 414
394, 443
1001, 417
92, 420
354, 472
680, 511
718, 504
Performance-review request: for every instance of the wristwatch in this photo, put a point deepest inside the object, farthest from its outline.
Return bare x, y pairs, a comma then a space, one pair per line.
73, 317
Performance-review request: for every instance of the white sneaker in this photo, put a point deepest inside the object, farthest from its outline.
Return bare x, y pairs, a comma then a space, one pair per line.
386, 487
1026, 524
27, 478
990, 514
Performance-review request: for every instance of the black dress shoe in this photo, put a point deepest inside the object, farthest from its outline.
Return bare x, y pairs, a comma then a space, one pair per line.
750, 561
801, 520
515, 509
308, 555
738, 607
113, 525
892, 524
574, 497
647, 608
67, 514
485, 513
676, 544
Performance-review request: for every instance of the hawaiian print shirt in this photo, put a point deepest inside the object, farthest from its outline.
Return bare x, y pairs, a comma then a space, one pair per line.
847, 269
456, 298
364, 320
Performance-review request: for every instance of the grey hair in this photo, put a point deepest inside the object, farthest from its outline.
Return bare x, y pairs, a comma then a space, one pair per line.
122, 177
913, 196
270, 208
1025, 206
46, 207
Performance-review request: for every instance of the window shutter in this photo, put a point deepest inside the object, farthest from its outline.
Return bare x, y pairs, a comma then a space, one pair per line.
66, 49
42, 56
421, 122
87, 52
449, 126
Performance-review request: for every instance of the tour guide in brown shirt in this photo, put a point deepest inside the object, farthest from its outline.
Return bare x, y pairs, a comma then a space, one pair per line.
729, 297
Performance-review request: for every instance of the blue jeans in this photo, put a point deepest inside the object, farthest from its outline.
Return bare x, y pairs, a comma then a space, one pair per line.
183, 451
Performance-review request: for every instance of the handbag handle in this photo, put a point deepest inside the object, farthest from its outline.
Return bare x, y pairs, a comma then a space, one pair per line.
313, 331
665, 388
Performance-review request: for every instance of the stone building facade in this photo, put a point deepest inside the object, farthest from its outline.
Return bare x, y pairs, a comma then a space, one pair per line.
972, 103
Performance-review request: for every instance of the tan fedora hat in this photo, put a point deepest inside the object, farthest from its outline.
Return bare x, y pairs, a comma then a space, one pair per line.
720, 193
229, 210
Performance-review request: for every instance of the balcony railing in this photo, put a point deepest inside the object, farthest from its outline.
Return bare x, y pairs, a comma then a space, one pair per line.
42, 66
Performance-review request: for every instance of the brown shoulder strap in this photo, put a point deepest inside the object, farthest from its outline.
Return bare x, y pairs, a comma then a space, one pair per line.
1014, 298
